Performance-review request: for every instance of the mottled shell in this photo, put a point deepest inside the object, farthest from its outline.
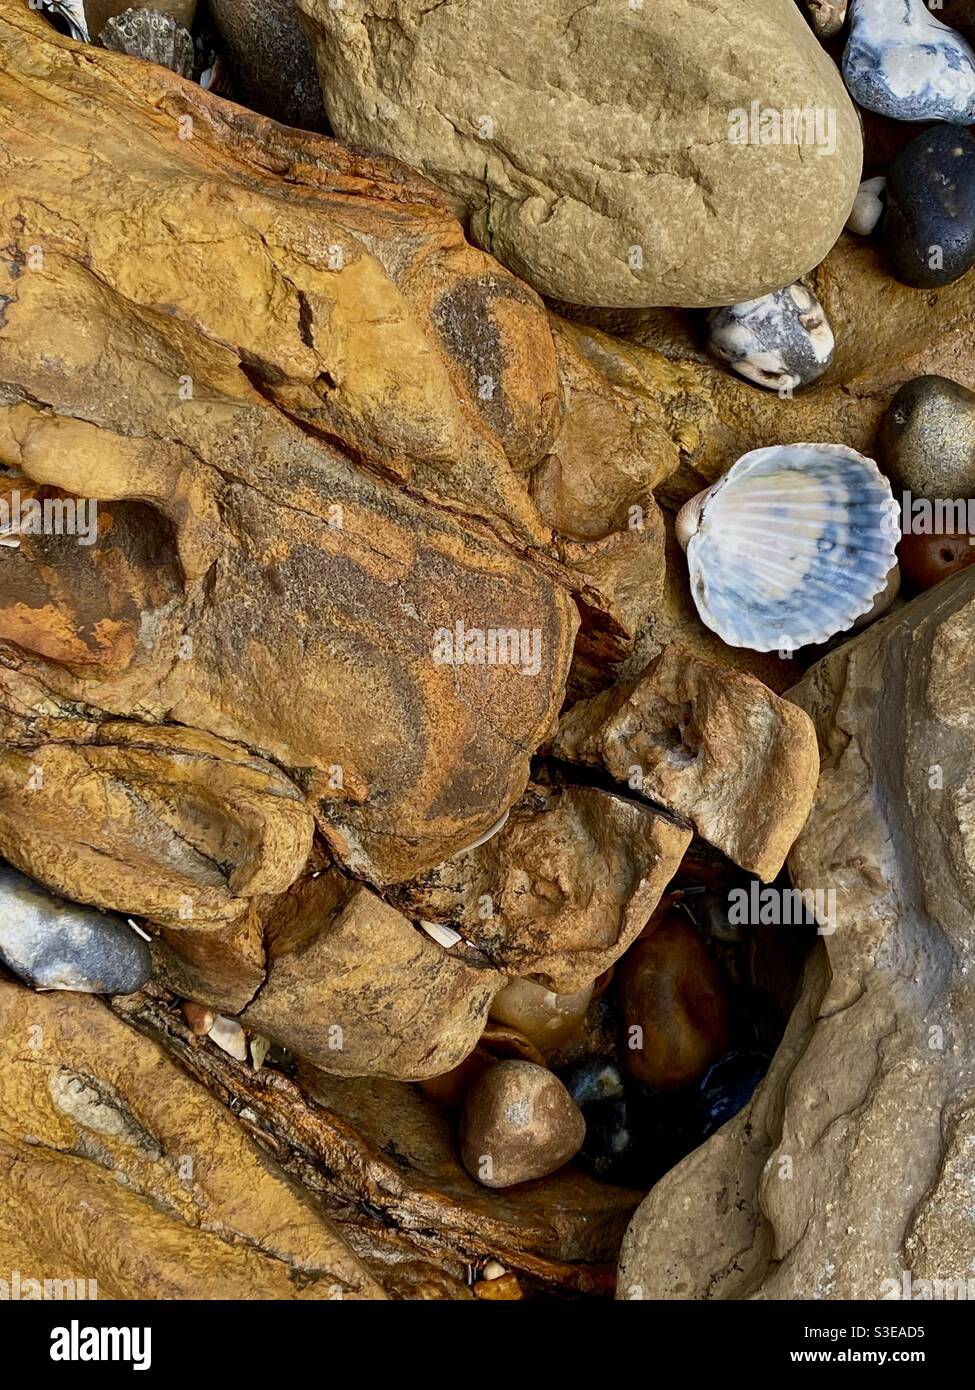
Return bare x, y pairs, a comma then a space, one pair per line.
791, 546
151, 35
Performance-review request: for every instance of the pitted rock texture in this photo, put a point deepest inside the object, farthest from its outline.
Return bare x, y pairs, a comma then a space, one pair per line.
562, 890
712, 745
558, 130
844, 1172
100, 1131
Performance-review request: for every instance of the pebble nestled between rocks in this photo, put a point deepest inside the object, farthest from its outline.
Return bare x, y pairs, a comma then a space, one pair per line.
929, 230
926, 560
927, 438
868, 207
545, 1018
780, 341
519, 1123
673, 1006
54, 944
902, 62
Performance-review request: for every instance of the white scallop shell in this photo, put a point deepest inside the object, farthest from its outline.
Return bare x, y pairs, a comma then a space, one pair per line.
791, 546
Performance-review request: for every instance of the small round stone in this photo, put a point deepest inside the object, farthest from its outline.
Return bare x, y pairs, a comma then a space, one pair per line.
927, 560
51, 943
903, 63
781, 341
927, 439
595, 1079
518, 1123
827, 16
868, 206
546, 1019
929, 230
673, 1006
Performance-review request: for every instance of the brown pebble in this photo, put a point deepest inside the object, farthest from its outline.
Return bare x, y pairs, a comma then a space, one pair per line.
199, 1019
926, 560
503, 1290
546, 1019
518, 1123
673, 1006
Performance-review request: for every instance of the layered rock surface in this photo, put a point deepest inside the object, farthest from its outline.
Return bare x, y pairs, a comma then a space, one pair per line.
844, 1170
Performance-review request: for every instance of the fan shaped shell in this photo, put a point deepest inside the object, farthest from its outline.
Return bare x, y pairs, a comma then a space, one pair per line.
791, 546
154, 36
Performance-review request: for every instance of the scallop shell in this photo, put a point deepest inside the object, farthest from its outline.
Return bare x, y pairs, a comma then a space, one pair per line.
151, 35
791, 546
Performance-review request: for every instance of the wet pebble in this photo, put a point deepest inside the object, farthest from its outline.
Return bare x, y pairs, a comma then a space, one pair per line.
902, 62
929, 230
519, 1123
781, 341
545, 1018
827, 16
673, 1007
868, 206
51, 943
727, 1088
927, 438
593, 1080
927, 560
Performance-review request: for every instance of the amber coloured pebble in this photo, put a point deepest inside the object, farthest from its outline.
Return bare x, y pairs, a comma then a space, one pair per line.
926, 560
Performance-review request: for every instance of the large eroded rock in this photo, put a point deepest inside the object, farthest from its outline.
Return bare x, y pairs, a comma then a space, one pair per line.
589, 144
852, 1164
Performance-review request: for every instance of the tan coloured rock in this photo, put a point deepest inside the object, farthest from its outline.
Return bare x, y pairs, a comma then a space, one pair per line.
355, 988
709, 743
561, 891
582, 164
103, 1135
291, 383
519, 1123
843, 1177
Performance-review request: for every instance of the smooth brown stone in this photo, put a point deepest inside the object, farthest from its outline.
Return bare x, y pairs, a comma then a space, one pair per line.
545, 1018
671, 989
519, 1123
927, 560
505, 1289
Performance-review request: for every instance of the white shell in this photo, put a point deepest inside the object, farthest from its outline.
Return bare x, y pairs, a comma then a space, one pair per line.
791, 546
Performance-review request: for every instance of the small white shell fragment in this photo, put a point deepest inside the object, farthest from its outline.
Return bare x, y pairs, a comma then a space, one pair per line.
259, 1050
444, 936
791, 546
229, 1036
868, 206
494, 1269
780, 341
489, 834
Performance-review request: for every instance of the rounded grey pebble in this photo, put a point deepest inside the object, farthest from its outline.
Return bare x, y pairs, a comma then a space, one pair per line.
927, 438
780, 341
51, 943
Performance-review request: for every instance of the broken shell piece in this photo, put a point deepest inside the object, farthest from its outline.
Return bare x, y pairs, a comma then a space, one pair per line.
260, 1047
444, 936
72, 12
868, 206
792, 545
230, 1036
153, 36
780, 341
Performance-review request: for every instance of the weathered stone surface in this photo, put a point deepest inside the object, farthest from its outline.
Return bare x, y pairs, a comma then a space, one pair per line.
519, 1123
561, 891
291, 385
712, 745
354, 987
101, 1132
559, 131
273, 67
870, 1094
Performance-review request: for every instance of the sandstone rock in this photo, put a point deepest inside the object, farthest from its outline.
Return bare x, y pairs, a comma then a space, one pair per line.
580, 162
355, 988
561, 890
295, 396
519, 1123
101, 1132
273, 67
709, 743
842, 1173
671, 991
